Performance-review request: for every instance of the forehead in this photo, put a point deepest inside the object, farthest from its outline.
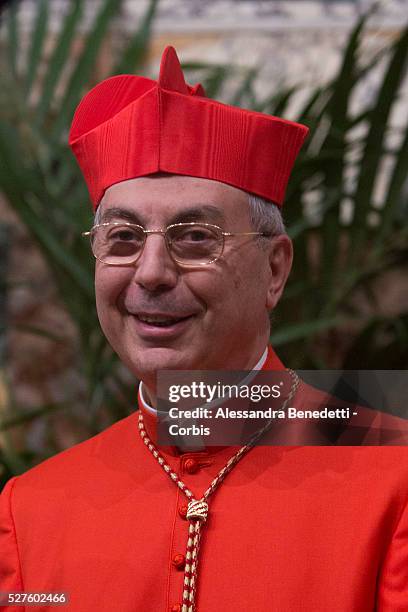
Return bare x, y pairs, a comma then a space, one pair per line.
163, 197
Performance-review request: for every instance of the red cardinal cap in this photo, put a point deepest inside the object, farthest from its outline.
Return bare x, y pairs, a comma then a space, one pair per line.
130, 126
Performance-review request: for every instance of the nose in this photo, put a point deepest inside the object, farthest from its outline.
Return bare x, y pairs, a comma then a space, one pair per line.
155, 269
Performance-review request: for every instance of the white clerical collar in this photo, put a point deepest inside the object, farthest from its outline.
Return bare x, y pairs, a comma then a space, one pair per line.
258, 366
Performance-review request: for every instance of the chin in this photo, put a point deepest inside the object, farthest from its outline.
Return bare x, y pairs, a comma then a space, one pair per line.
149, 361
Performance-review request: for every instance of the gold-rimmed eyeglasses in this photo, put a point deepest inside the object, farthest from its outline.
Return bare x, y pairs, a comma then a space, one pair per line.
190, 244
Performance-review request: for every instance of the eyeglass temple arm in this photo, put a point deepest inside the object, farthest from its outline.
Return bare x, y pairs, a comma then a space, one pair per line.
246, 234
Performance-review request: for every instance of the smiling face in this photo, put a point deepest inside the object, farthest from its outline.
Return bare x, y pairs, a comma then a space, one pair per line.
158, 314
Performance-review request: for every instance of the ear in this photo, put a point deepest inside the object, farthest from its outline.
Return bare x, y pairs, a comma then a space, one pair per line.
280, 264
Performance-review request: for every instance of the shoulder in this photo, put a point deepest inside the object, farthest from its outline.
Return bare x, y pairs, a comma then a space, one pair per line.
116, 448
354, 424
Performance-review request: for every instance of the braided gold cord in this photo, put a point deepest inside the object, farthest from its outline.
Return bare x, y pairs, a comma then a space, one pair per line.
198, 509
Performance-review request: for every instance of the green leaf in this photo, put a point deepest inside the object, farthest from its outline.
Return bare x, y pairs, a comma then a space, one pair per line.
14, 180
381, 344
27, 417
395, 190
333, 169
245, 91
303, 330
308, 110
13, 37
59, 57
135, 52
372, 155
215, 79
37, 331
84, 65
37, 44
277, 103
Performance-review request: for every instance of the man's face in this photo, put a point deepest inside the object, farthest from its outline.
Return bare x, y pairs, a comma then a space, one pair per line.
216, 315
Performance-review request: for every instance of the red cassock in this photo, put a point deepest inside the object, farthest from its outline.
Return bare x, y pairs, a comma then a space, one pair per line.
311, 529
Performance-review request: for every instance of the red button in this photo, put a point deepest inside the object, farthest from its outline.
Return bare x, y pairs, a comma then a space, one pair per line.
175, 608
179, 561
191, 466
183, 511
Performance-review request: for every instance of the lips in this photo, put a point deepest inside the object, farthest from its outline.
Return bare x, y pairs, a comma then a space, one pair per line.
161, 326
161, 320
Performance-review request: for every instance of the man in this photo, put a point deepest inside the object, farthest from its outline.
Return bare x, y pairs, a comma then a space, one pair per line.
190, 261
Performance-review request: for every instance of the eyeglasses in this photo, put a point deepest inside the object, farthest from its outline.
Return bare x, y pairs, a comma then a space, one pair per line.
188, 244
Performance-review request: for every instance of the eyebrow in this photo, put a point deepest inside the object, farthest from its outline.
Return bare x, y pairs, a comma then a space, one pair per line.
120, 213
199, 212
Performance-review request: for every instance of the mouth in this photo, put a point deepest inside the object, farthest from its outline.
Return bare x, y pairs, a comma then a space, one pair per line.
161, 320
162, 326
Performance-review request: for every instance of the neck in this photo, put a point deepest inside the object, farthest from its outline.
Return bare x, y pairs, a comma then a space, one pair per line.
148, 395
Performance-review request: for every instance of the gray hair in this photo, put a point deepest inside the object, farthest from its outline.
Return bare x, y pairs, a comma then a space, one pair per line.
98, 215
265, 216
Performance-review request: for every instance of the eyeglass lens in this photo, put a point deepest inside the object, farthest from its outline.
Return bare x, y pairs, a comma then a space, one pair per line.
189, 244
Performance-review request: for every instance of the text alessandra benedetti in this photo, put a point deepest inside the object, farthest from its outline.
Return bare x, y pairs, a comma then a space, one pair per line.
269, 413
